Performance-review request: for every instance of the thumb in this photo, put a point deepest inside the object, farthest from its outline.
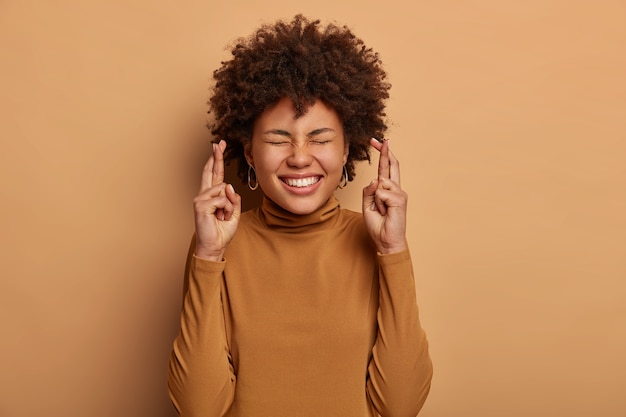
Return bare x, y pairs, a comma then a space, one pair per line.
235, 200
368, 195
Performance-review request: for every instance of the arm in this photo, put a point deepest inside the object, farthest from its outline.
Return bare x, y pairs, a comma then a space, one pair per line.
400, 370
201, 379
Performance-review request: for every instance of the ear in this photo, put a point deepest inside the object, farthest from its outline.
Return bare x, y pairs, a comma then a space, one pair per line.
346, 151
247, 151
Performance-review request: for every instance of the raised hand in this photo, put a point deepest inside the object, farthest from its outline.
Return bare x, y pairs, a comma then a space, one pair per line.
384, 203
217, 208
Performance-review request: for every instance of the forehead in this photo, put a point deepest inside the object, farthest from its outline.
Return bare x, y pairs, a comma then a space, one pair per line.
282, 115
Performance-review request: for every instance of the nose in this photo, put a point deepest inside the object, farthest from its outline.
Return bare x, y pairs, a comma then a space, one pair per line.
300, 156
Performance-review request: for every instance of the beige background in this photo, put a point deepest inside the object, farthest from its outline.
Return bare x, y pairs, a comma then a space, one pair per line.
509, 119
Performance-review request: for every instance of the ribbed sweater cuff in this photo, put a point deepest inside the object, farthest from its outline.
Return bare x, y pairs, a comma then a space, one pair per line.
394, 258
204, 265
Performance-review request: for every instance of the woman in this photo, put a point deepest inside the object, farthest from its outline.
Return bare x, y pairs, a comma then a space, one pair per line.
299, 307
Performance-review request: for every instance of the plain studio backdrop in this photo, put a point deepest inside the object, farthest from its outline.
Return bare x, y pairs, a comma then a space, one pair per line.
509, 120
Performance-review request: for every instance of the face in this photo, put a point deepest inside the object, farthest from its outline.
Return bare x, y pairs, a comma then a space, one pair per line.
298, 162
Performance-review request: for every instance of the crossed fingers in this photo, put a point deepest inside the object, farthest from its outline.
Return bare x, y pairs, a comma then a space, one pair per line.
213, 172
388, 165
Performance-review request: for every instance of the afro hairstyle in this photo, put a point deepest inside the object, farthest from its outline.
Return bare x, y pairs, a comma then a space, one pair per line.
304, 61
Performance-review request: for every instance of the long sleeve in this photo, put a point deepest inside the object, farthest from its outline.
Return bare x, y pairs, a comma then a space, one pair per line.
400, 370
302, 319
201, 379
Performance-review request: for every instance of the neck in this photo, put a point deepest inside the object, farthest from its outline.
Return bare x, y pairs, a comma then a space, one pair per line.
275, 216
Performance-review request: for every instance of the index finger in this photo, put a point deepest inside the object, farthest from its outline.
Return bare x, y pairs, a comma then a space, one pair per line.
218, 165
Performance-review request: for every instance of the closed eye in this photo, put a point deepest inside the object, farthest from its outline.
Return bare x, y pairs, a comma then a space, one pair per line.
321, 136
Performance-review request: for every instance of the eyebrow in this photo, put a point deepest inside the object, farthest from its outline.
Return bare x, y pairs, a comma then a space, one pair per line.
315, 132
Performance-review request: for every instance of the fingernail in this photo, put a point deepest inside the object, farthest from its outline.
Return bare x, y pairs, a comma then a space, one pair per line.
231, 188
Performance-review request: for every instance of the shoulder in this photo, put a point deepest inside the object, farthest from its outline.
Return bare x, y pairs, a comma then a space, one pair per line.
349, 218
249, 218
352, 225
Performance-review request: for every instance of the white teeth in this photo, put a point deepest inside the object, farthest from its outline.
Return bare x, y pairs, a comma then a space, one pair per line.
301, 182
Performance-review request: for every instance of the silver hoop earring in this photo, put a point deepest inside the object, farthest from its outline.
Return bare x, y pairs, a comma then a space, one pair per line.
344, 178
256, 182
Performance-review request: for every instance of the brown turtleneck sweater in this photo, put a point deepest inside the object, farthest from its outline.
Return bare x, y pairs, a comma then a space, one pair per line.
302, 318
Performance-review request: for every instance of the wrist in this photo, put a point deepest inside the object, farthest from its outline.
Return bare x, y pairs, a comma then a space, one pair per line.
389, 249
209, 254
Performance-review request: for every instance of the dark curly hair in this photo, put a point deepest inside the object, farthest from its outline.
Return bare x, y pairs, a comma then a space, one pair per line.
304, 61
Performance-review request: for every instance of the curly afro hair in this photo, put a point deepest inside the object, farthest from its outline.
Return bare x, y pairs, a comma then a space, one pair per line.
304, 61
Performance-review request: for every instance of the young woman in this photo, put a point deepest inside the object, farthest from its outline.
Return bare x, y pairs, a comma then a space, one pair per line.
300, 307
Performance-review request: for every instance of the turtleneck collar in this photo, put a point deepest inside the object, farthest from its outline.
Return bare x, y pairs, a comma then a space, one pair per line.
276, 217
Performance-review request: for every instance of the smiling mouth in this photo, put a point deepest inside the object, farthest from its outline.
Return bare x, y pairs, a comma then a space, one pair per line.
301, 182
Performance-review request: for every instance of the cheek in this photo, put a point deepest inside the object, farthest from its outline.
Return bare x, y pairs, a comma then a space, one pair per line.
267, 161
333, 158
